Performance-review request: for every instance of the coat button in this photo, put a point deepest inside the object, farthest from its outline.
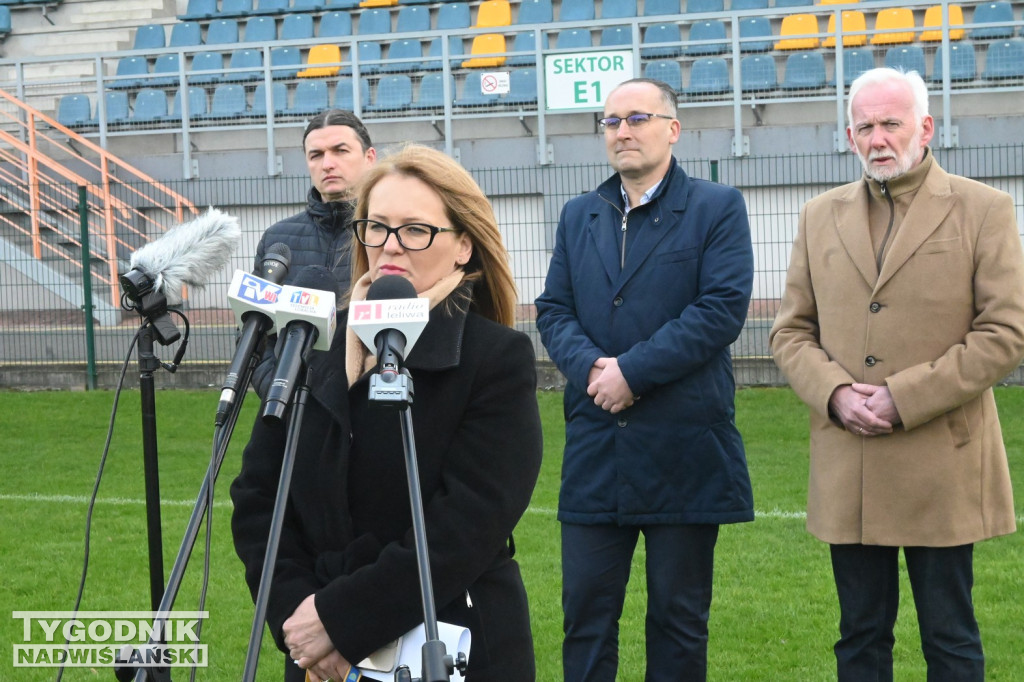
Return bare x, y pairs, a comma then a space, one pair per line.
870, 361
875, 306
622, 421
617, 301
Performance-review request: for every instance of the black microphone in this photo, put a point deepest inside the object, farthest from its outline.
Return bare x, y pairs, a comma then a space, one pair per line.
253, 301
390, 343
307, 314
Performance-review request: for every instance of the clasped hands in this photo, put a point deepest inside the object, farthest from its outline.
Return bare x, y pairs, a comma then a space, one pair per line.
607, 386
310, 646
864, 409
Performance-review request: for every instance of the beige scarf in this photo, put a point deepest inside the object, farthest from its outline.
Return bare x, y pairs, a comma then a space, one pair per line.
358, 359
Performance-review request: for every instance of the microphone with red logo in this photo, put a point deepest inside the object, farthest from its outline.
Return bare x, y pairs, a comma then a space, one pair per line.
306, 313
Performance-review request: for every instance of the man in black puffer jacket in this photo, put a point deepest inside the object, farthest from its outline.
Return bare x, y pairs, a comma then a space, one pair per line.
338, 151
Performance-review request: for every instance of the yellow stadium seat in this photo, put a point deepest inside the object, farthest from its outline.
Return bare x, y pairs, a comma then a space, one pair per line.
322, 54
798, 25
933, 22
486, 44
853, 21
895, 25
494, 13
378, 3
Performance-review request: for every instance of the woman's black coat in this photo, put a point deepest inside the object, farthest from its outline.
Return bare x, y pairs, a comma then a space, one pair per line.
348, 535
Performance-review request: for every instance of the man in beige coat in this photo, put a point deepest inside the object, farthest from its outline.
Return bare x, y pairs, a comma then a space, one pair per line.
904, 305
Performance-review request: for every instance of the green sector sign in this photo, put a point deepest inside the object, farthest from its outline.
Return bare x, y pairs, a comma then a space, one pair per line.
581, 80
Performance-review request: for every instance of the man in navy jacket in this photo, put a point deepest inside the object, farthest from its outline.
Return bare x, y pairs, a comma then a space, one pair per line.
648, 286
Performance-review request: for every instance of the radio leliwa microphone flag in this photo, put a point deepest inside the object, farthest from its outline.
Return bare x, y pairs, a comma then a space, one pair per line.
391, 304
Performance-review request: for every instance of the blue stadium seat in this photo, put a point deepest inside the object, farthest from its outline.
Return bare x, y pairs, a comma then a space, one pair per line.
74, 111
661, 33
758, 73
131, 73
309, 5
399, 54
756, 34
708, 77
990, 13
207, 67
168, 66
260, 30
335, 25
186, 34
116, 104
456, 49
576, 10
368, 54
655, 8
805, 70
453, 15
793, 3
311, 97
472, 95
412, 18
616, 35
147, 37
747, 5
713, 30
297, 26
523, 43
5, 22
150, 106
394, 93
199, 9
855, 62
522, 87
906, 57
244, 65
221, 32
618, 9
197, 104
571, 38
228, 102
285, 62
665, 70
278, 97
535, 12
1004, 59
703, 6
342, 4
271, 7
374, 20
235, 8
431, 91
962, 63
344, 98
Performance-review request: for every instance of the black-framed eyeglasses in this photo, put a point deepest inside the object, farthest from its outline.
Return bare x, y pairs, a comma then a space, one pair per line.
634, 120
412, 237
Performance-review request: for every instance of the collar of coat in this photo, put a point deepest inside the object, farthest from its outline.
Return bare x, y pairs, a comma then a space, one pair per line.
329, 215
610, 189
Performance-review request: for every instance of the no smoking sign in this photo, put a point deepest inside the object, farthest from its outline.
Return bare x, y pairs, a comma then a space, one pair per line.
494, 83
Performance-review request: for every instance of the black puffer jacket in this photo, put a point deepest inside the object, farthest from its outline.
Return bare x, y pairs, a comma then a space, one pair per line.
320, 235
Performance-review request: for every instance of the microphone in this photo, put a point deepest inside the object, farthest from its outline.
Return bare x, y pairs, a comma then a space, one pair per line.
253, 300
306, 312
190, 253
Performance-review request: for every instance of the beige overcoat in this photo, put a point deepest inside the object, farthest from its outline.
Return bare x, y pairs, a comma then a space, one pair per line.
940, 325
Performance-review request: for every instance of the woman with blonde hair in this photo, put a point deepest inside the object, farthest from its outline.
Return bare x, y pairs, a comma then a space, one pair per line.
346, 581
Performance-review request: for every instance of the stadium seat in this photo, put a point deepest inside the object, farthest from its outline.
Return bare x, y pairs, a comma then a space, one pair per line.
854, 21
616, 35
804, 71
235, 8
907, 58
572, 38
667, 71
793, 3
344, 98
285, 62
308, 5
708, 77
147, 37
394, 93
271, 7
197, 104
199, 9
221, 32
378, 3
259, 30
323, 60
990, 13
244, 65
855, 62
117, 110
342, 4
413, 18
131, 73
150, 106
894, 25
311, 97
74, 111
334, 25
186, 34
374, 21
472, 95
805, 25
704, 31
493, 13
618, 9
228, 102
522, 87
933, 23
535, 12
404, 55
661, 33
166, 71
296, 26
431, 91
456, 50
207, 67
485, 51
656, 8
453, 15
962, 63
576, 10
1004, 59
758, 73
525, 44
369, 57
748, 5
703, 6
755, 34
